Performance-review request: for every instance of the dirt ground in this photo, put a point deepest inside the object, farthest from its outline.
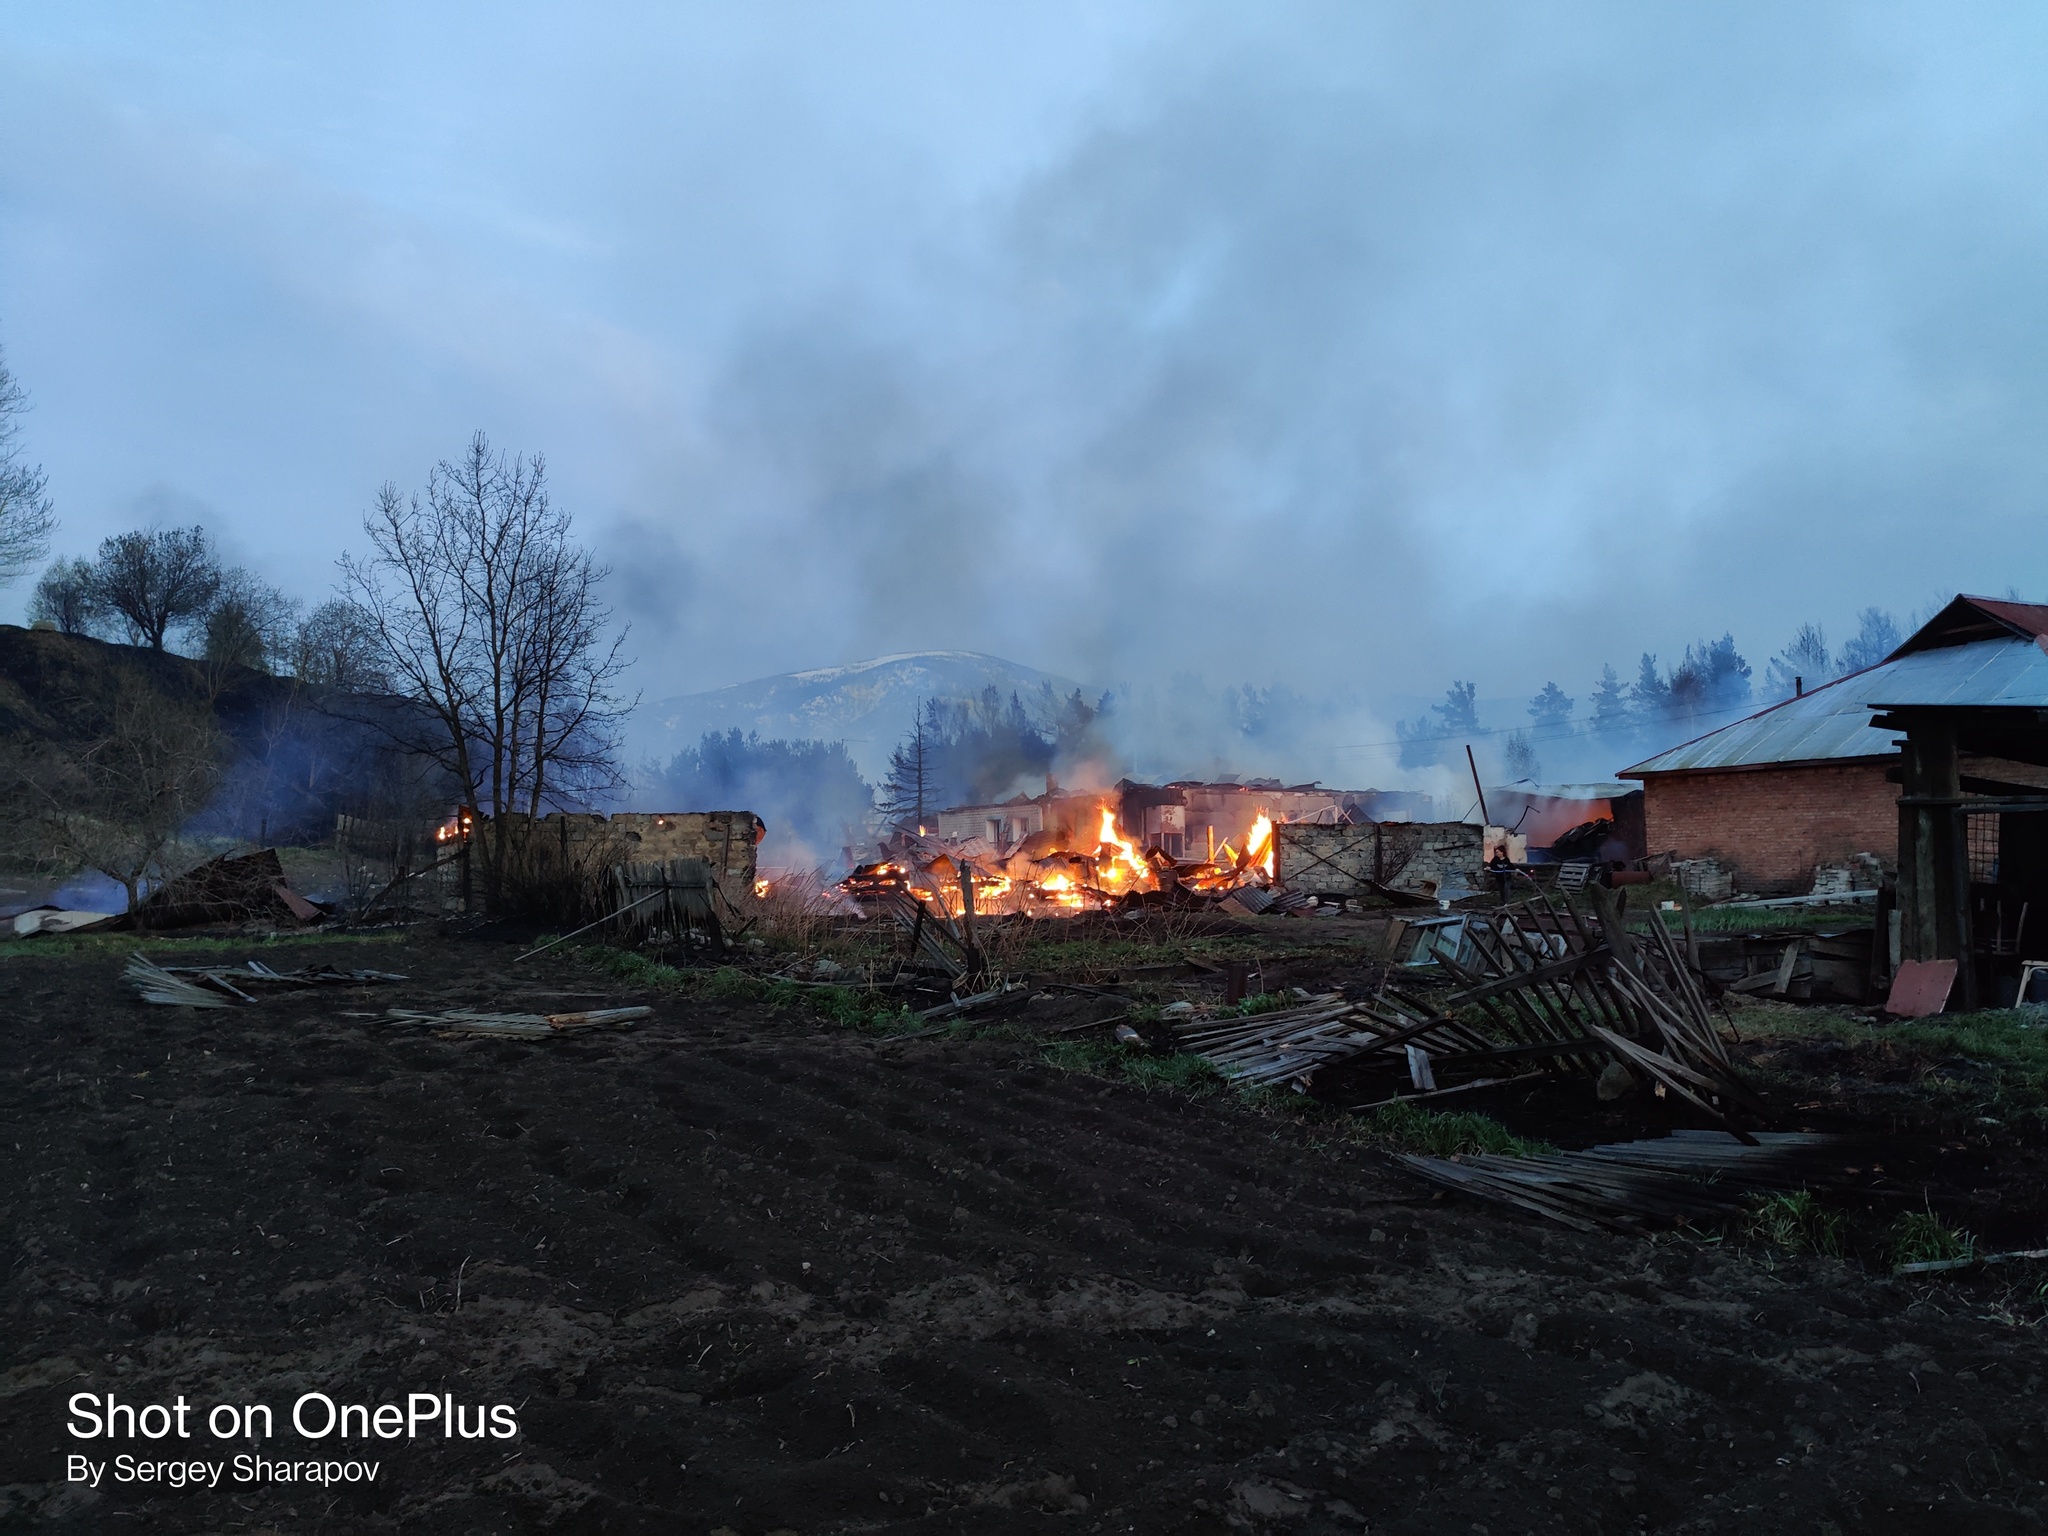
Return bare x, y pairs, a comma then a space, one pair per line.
742, 1270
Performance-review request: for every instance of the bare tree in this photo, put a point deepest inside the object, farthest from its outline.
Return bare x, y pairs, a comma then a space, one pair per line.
157, 579
26, 516
249, 624
67, 598
490, 621
116, 801
337, 646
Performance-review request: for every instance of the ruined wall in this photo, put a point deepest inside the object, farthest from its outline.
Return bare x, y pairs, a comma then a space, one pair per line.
1408, 855
727, 839
1772, 826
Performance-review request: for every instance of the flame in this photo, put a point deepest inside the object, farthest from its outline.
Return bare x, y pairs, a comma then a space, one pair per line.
761, 889
1120, 864
1258, 848
1060, 890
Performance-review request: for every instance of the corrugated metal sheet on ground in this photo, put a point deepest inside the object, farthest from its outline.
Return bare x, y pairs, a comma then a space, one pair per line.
1833, 721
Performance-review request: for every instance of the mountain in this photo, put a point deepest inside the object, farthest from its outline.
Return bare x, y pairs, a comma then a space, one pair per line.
867, 704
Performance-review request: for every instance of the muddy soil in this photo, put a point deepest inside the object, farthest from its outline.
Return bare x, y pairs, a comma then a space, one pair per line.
738, 1271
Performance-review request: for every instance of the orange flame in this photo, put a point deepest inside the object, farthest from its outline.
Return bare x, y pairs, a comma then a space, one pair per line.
1120, 862
1258, 848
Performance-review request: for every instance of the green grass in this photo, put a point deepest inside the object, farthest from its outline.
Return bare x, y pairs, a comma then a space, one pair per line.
1796, 1223
1921, 1237
86, 946
1438, 1133
1136, 1065
630, 965
1720, 920
2013, 1043
1266, 1002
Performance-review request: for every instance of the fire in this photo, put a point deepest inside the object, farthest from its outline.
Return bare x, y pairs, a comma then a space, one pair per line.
1099, 867
1120, 862
1258, 848
761, 888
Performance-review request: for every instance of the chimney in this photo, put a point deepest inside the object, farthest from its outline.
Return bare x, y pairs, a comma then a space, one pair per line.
1798, 687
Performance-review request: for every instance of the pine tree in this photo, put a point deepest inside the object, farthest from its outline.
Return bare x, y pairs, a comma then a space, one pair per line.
1804, 662
1877, 636
907, 791
1552, 711
1610, 707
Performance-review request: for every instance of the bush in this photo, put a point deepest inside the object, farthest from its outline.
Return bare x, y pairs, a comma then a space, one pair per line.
1921, 1237
1795, 1223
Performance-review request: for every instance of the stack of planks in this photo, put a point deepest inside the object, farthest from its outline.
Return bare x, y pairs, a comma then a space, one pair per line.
222, 986
1543, 986
1633, 1186
1289, 1046
525, 1026
1569, 988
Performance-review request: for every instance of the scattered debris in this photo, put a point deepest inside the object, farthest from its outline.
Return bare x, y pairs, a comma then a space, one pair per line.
234, 888
531, 1026
1567, 988
1971, 1261
220, 986
959, 1005
55, 920
1290, 1046
1634, 1185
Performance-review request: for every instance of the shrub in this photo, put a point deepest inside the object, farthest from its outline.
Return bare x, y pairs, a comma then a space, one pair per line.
1921, 1237
1796, 1223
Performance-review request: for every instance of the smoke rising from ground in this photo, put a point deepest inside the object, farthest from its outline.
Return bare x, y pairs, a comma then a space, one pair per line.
1346, 350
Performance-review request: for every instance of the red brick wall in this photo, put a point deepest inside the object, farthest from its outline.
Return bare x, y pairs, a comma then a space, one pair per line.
1773, 825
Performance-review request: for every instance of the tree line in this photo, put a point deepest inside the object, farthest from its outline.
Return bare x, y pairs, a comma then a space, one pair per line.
472, 637
1710, 685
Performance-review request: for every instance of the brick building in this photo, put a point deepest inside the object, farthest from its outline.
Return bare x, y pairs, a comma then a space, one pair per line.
1811, 781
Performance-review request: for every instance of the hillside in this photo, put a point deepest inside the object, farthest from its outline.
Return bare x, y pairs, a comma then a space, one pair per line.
296, 754
867, 704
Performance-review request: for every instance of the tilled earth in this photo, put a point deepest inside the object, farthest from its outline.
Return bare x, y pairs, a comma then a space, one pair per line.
738, 1271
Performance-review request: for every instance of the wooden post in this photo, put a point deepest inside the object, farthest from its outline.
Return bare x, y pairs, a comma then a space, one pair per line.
1473, 764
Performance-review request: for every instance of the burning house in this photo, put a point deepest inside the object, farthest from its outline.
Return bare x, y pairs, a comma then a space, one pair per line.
1066, 851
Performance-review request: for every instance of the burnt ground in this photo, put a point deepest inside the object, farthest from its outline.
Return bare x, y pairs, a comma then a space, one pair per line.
741, 1270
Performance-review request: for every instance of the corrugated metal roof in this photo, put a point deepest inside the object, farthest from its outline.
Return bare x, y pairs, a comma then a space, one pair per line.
1833, 721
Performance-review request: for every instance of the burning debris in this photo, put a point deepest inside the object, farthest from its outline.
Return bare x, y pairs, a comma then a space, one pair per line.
1095, 868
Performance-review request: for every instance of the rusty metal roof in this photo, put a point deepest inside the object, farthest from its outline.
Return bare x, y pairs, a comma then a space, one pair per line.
1833, 721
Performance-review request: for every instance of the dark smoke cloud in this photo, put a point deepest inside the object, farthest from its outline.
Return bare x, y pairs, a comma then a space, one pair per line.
1352, 348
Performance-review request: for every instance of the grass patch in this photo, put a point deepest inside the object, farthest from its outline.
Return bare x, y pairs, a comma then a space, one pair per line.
1440, 1133
1723, 920
1135, 1065
1921, 1237
86, 946
1266, 1002
2012, 1043
1796, 1223
630, 965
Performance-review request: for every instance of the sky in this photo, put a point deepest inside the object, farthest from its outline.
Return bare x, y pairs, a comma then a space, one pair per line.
1350, 346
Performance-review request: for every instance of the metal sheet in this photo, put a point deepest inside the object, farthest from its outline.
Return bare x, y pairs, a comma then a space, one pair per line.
1833, 721
1921, 988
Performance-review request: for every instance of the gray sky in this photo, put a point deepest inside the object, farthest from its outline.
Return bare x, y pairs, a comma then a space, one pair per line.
1348, 345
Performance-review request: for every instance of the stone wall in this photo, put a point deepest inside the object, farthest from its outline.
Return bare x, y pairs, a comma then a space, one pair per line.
1418, 856
726, 839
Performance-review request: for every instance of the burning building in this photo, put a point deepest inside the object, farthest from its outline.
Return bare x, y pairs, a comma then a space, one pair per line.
1065, 850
